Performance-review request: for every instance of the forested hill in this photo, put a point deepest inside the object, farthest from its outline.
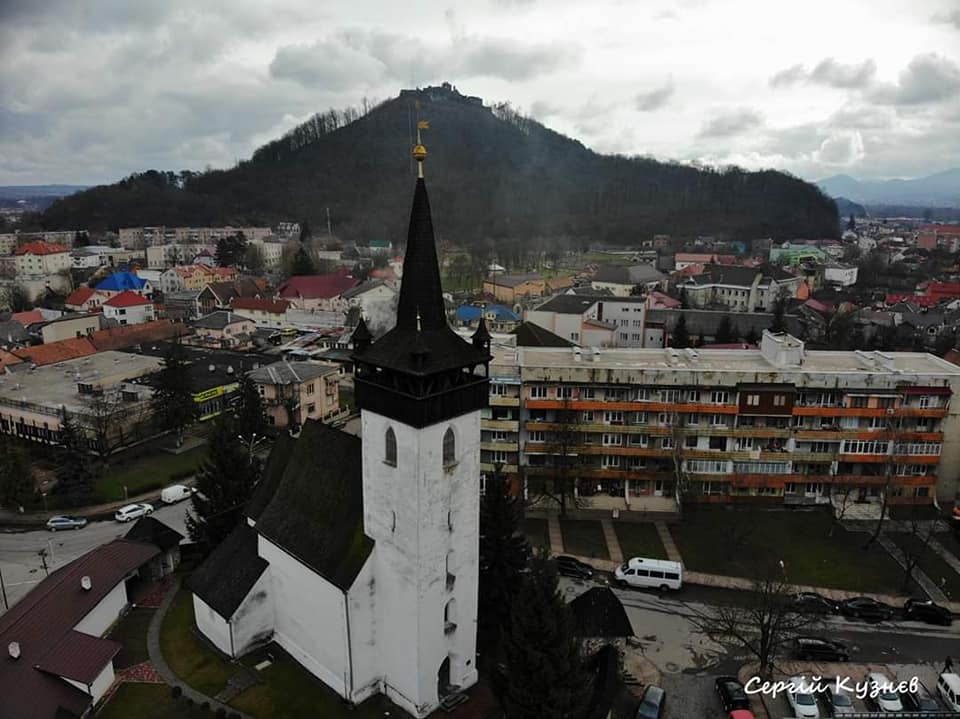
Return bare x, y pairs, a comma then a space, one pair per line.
493, 175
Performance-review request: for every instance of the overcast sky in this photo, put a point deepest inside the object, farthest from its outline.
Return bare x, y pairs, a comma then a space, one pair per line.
92, 90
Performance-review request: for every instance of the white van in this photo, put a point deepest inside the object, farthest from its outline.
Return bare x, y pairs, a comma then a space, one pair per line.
656, 573
948, 686
175, 493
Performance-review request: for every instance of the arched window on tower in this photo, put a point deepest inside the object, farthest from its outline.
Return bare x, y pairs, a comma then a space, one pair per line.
449, 448
450, 616
390, 447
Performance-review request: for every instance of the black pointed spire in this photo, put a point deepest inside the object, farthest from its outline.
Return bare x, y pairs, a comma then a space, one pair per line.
420, 290
361, 337
481, 338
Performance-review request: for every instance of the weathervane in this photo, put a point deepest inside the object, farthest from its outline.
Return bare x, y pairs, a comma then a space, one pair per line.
419, 151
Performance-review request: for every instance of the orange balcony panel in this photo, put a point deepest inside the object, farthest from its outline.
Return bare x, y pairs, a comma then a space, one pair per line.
926, 480
864, 458
762, 480
625, 451
917, 459
839, 412
859, 480
917, 412
597, 406
920, 436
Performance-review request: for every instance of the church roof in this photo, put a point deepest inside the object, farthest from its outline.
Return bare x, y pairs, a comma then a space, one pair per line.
316, 511
229, 573
529, 334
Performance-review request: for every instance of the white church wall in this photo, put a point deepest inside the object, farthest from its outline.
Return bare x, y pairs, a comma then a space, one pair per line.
418, 512
253, 621
212, 625
362, 603
309, 612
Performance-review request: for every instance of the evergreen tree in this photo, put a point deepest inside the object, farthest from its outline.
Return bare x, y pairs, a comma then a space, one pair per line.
16, 475
681, 337
504, 552
779, 315
851, 223
752, 337
225, 482
75, 473
251, 419
542, 673
232, 250
303, 263
172, 402
305, 232
724, 333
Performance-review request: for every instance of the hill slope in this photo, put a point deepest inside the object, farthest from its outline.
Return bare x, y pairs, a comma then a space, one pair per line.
493, 176
941, 189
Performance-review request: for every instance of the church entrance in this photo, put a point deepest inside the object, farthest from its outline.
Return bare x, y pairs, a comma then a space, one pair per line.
443, 679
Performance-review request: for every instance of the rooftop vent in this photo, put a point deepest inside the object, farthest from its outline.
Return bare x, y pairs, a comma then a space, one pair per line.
212, 368
13, 649
86, 583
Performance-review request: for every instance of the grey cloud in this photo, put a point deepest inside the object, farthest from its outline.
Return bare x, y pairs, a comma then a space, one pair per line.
326, 63
927, 79
837, 74
731, 122
656, 98
509, 60
860, 117
788, 76
542, 108
951, 18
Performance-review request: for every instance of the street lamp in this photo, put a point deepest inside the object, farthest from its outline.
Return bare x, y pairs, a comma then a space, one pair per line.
251, 444
783, 568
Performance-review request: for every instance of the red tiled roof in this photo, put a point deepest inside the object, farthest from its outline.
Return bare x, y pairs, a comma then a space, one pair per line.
79, 296
7, 359
127, 298
41, 248
277, 307
28, 318
54, 352
317, 286
79, 656
46, 617
117, 338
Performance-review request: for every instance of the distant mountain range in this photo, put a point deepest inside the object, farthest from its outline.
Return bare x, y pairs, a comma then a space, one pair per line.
35, 197
939, 190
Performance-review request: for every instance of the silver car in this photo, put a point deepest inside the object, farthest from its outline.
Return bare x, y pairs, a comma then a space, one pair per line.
66, 522
839, 701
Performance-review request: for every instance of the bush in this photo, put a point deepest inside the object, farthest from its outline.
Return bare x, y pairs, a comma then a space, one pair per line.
221, 712
205, 706
176, 692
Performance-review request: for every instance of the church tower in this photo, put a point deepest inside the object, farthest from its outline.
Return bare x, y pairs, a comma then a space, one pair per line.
420, 389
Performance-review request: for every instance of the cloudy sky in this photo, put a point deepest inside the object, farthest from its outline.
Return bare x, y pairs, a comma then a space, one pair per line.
93, 90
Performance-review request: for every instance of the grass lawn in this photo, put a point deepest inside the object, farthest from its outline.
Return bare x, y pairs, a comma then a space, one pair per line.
950, 542
537, 533
146, 473
912, 511
189, 658
930, 563
131, 632
639, 539
743, 542
148, 701
584, 538
289, 691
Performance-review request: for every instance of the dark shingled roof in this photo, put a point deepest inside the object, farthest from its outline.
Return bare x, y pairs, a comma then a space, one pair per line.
153, 531
272, 474
598, 613
530, 335
79, 656
228, 574
316, 511
568, 304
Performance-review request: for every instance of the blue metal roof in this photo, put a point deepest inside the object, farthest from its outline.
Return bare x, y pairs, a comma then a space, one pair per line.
471, 313
120, 281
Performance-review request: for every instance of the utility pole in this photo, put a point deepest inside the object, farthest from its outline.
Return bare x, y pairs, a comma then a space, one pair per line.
3, 591
329, 230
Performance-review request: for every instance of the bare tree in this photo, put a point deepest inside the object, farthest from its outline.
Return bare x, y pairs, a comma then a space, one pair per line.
891, 436
761, 623
562, 441
683, 485
116, 423
840, 507
920, 535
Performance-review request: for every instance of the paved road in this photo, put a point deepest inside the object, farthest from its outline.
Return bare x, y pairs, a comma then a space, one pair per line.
22, 566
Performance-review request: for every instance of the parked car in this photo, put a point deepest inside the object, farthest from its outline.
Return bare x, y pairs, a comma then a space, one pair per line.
66, 522
659, 574
803, 703
731, 693
652, 703
922, 700
867, 609
886, 700
927, 611
948, 687
820, 649
175, 493
741, 714
133, 511
813, 603
571, 567
838, 701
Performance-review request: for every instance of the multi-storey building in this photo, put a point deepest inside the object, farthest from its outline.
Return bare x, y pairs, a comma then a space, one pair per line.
778, 425
746, 289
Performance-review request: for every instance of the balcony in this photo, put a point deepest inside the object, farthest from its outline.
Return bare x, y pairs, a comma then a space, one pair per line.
505, 425
500, 401
506, 445
489, 467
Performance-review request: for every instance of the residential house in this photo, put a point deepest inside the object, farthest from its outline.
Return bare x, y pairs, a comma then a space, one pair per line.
94, 256
264, 312
682, 260
66, 327
84, 299
129, 308
498, 318
218, 295
511, 288
593, 321
42, 267
182, 306
746, 289
623, 281
295, 392
839, 274
166, 255
224, 328
317, 292
125, 282
376, 300
194, 277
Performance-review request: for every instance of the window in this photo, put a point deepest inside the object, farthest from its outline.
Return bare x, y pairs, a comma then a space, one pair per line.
612, 440
669, 395
311, 408
575, 336
449, 448
820, 447
719, 397
499, 436
857, 446
498, 456
639, 418
537, 437
642, 395
753, 400
390, 447
718, 419
718, 443
706, 466
690, 442
498, 390
587, 417
666, 443
564, 392
859, 402
761, 468
924, 401
538, 392
692, 419
779, 400
588, 393
310, 388
610, 462
744, 443
613, 417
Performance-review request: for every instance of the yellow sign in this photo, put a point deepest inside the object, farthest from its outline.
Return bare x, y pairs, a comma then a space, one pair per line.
213, 392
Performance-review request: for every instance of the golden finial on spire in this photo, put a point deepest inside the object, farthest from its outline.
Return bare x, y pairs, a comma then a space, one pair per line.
419, 151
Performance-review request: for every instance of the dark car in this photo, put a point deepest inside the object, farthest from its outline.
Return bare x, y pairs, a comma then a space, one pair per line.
926, 611
813, 603
731, 693
652, 703
819, 649
867, 609
570, 567
920, 701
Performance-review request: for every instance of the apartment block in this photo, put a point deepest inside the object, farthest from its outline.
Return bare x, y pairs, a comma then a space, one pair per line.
646, 429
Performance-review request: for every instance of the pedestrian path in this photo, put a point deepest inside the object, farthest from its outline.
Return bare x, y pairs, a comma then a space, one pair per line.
919, 576
613, 544
669, 546
946, 555
555, 534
